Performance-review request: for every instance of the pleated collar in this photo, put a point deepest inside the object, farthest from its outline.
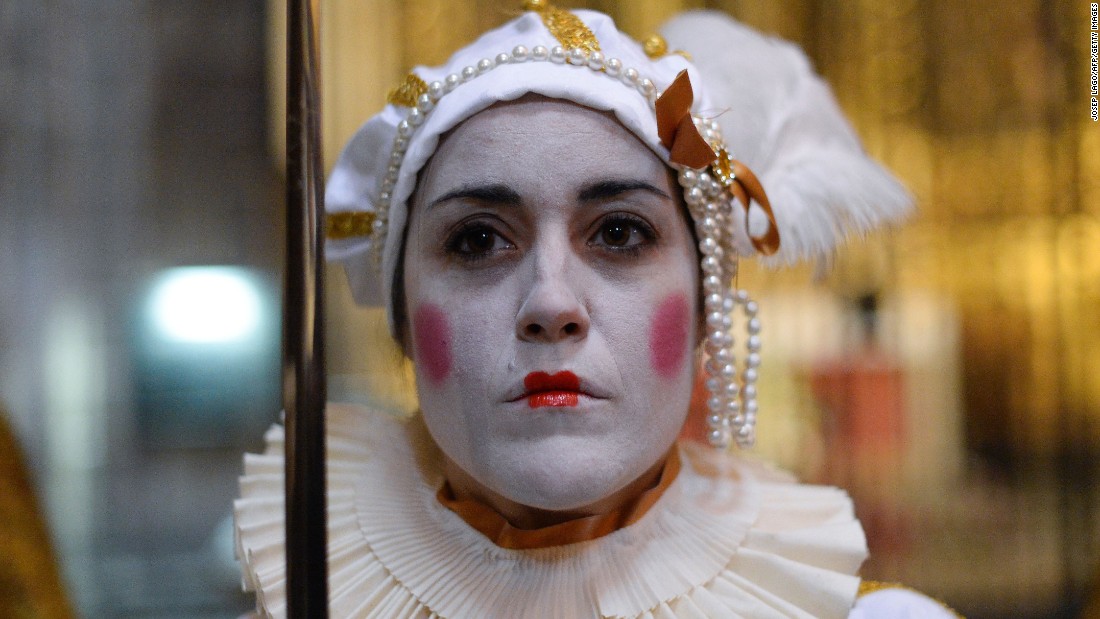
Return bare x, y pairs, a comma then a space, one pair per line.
726, 538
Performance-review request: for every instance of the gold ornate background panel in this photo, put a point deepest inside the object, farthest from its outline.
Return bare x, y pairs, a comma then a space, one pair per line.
978, 106
987, 297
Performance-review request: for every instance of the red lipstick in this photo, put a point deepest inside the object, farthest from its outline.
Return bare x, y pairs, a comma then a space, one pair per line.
560, 389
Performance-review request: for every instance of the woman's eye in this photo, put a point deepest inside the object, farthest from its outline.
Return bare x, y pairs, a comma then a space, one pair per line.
616, 234
623, 233
476, 241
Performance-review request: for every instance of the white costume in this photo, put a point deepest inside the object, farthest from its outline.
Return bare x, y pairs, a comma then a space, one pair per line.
728, 537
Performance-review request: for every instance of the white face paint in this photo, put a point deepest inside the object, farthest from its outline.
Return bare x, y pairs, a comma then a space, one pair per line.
545, 238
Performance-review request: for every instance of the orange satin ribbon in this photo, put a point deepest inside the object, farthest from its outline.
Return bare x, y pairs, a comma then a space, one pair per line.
744, 186
676, 129
687, 147
493, 526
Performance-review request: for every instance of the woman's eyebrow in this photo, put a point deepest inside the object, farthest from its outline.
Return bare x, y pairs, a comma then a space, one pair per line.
492, 194
602, 190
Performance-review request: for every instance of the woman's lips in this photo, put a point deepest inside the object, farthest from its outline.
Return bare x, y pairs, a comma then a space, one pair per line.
559, 389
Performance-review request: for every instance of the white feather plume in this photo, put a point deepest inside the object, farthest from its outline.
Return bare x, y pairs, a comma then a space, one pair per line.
780, 119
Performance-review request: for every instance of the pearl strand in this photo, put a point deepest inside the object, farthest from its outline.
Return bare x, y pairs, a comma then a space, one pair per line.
731, 407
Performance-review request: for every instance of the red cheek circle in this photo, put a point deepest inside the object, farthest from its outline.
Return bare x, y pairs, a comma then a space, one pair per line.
668, 335
432, 341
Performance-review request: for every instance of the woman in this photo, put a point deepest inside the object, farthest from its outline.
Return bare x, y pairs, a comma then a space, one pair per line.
557, 219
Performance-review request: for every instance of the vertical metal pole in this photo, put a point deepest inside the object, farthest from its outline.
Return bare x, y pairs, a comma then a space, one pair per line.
303, 342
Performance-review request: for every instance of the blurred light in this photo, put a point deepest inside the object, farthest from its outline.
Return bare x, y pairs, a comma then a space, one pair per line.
206, 305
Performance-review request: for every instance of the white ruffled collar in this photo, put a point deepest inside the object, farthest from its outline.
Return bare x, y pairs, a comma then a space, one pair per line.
727, 539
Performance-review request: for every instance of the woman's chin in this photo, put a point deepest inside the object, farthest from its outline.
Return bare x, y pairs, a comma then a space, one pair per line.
565, 493
559, 480
581, 472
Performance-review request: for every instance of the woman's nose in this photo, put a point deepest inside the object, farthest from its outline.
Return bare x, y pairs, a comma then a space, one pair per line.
552, 312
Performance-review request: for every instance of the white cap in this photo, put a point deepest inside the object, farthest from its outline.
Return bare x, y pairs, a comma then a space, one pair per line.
580, 56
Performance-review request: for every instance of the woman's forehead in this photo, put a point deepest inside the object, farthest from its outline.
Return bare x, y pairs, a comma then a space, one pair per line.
535, 102
546, 135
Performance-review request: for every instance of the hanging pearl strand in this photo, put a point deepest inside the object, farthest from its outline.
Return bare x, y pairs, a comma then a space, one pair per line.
698, 193
731, 407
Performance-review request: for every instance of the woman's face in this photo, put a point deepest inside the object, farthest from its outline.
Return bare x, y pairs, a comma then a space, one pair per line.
550, 281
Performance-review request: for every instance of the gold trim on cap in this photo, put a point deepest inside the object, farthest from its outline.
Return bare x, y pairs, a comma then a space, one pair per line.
566, 27
349, 224
407, 91
655, 46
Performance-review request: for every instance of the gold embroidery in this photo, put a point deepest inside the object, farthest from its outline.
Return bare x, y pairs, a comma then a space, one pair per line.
407, 91
349, 224
655, 46
723, 168
867, 587
566, 27
870, 586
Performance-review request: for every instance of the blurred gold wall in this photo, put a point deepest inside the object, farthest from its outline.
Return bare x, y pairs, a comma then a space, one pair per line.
980, 107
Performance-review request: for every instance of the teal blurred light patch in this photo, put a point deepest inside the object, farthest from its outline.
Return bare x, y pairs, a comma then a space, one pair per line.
207, 305
206, 357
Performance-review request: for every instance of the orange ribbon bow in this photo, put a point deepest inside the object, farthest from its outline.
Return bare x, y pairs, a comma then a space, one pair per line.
687, 147
676, 129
